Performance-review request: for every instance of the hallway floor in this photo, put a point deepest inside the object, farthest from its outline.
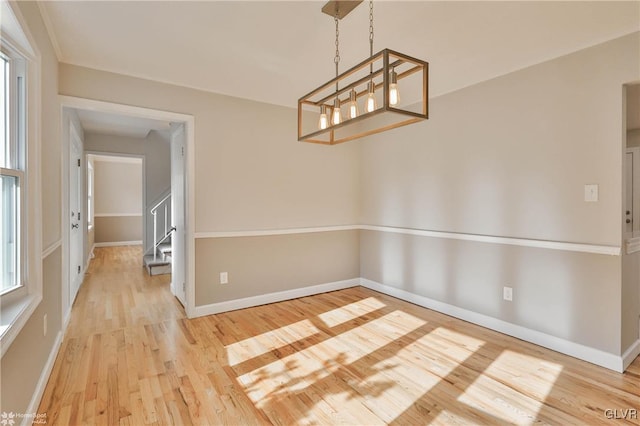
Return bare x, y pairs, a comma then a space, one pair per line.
355, 357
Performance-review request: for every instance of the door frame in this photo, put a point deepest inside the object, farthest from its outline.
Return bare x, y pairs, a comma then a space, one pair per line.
189, 195
635, 192
74, 286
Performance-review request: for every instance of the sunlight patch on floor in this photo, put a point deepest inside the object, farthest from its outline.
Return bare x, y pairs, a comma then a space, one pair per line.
351, 311
512, 387
438, 360
255, 346
313, 364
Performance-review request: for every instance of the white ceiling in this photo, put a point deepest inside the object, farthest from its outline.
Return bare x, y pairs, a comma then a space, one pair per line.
277, 51
119, 125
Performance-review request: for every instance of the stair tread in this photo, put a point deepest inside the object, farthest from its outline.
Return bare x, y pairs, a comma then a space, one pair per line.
148, 260
164, 248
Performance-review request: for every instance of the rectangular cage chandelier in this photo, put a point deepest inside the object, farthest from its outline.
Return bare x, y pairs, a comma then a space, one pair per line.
383, 92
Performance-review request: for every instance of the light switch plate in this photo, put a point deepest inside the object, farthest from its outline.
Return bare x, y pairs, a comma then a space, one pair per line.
591, 192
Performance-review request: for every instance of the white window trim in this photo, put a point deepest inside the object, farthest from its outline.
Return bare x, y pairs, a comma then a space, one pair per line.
18, 147
19, 305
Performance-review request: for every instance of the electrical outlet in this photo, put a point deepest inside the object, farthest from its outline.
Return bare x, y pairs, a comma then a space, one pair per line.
44, 325
224, 277
507, 293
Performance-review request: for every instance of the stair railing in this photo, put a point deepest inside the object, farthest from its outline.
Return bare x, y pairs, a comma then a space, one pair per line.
165, 203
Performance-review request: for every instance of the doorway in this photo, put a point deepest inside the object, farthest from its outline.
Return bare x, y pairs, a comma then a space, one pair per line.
180, 128
115, 197
631, 165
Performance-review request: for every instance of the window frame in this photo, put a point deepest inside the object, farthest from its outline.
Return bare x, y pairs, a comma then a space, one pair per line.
17, 123
18, 306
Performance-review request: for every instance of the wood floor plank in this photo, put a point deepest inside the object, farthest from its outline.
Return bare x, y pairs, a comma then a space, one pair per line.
351, 357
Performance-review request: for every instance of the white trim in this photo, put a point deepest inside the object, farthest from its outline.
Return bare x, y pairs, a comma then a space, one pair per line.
118, 243
89, 257
265, 232
576, 350
279, 296
49, 27
632, 245
53, 247
117, 215
44, 378
121, 159
524, 242
630, 354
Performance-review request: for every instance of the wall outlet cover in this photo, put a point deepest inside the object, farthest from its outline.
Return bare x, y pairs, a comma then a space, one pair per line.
591, 193
507, 293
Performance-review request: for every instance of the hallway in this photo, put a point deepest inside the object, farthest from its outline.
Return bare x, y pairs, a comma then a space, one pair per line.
348, 357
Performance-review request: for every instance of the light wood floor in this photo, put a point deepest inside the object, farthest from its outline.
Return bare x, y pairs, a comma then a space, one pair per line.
352, 357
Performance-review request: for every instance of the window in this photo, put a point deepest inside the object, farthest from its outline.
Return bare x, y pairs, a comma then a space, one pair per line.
90, 194
12, 170
20, 219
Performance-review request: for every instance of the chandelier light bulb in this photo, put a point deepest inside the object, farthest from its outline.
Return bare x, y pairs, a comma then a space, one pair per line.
323, 122
336, 117
371, 97
394, 93
353, 104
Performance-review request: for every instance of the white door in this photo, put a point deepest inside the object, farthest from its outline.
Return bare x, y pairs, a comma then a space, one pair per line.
178, 248
75, 209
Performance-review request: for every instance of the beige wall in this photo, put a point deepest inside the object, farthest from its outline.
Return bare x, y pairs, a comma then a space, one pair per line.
118, 229
509, 158
22, 364
155, 150
250, 172
118, 187
267, 264
157, 160
118, 201
564, 294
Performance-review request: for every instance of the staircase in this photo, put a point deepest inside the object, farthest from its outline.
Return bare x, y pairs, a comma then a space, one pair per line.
161, 262
158, 260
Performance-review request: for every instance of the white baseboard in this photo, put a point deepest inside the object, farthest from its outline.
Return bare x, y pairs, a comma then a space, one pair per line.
576, 350
118, 243
263, 299
42, 381
630, 354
